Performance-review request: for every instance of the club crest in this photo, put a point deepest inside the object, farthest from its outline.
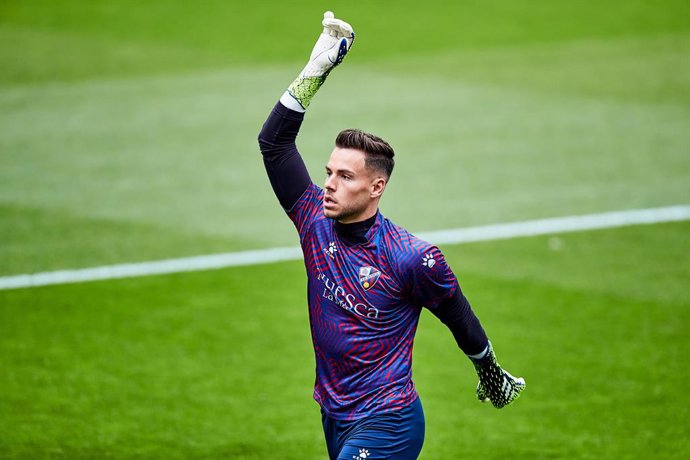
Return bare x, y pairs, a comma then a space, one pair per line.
368, 276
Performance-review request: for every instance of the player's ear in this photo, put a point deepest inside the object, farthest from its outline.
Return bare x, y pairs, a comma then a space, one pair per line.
378, 185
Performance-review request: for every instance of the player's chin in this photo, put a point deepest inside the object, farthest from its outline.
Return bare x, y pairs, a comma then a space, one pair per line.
330, 213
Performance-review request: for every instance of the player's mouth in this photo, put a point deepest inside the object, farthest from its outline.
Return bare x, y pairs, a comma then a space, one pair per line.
329, 202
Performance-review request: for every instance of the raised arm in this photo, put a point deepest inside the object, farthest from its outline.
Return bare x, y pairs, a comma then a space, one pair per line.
284, 165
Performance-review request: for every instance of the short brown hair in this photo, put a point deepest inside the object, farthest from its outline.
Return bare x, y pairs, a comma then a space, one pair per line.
379, 153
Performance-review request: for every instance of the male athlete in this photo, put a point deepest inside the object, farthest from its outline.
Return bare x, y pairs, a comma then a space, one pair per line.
368, 280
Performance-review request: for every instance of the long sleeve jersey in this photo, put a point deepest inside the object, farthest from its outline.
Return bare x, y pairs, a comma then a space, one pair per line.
366, 286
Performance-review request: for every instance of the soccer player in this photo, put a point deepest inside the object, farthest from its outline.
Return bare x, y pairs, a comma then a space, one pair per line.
368, 279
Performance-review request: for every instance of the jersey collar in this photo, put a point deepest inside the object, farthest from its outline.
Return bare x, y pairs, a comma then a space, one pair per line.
356, 232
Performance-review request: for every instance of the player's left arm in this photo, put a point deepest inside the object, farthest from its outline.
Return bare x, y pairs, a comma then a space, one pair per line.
495, 383
434, 281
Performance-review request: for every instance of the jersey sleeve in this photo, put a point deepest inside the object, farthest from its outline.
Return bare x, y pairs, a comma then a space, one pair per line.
431, 279
307, 208
284, 165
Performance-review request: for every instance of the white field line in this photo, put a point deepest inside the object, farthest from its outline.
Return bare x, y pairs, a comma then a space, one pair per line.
264, 256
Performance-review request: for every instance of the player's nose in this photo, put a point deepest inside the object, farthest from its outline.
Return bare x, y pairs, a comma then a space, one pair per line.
330, 183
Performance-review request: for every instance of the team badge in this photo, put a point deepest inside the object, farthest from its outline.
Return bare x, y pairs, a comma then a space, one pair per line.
368, 276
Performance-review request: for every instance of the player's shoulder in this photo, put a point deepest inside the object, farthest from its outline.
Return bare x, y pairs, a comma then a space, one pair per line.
408, 250
311, 197
307, 210
313, 193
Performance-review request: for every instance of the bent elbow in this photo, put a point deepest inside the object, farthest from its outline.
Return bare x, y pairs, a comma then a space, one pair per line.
265, 144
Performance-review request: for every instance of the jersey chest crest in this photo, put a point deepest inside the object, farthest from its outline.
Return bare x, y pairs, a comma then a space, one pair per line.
368, 276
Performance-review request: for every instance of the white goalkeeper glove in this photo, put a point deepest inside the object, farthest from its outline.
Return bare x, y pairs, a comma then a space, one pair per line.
495, 384
329, 51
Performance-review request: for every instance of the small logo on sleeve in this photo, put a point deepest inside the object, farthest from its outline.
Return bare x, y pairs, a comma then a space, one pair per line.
331, 250
368, 276
428, 260
363, 453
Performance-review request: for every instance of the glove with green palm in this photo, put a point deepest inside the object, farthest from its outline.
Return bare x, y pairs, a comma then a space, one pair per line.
495, 384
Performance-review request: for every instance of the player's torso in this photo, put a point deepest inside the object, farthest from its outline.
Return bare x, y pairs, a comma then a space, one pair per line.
362, 321
360, 280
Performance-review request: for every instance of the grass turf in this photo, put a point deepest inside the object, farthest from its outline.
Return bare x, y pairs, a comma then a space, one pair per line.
70, 39
127, 132
135, 137
218, 364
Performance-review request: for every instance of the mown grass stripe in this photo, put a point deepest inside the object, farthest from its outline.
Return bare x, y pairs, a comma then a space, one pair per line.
263, 256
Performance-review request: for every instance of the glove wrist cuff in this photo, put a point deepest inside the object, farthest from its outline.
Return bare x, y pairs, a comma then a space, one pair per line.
485, 359
481, 354
291, 103
303, 89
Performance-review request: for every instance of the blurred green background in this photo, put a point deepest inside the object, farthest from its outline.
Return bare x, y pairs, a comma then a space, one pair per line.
129, 128
128, 133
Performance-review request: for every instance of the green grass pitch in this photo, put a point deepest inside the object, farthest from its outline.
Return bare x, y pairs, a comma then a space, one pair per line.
218, 364
128, 133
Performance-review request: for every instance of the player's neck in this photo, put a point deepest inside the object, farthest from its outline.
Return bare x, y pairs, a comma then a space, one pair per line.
354, 232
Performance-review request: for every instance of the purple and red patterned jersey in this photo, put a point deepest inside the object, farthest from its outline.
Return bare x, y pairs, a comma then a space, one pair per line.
364, 306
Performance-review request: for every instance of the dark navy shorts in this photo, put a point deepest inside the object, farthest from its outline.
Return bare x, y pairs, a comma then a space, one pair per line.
395, 435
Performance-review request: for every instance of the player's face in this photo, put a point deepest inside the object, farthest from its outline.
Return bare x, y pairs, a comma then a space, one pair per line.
352, 191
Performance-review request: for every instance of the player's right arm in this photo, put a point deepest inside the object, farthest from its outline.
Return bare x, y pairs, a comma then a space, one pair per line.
284, 165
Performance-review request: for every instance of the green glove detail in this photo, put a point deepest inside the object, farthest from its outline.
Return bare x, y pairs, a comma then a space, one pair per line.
495, 384
304, 89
